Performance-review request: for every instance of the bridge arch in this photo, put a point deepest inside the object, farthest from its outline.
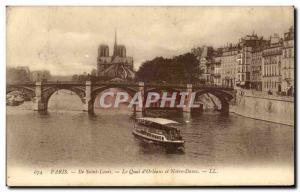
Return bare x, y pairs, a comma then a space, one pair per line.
159, 90
223, 97
48, 92
96, 91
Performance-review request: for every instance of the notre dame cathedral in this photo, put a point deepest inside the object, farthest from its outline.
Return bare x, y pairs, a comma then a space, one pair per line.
117, 67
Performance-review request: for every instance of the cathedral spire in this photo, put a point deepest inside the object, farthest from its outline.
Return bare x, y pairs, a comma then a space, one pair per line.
115, 36
115, 45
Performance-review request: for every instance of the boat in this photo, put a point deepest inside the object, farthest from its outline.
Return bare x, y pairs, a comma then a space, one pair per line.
159, 131
19, 99
11, 103
14, 100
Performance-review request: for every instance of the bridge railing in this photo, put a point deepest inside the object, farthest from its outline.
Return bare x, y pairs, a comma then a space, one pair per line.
194, 85
165, 85
21, 83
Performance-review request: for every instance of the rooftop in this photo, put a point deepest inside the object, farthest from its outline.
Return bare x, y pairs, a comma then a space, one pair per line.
158, 120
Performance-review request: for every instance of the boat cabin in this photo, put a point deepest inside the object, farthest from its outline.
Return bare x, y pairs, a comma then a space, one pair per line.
158, 128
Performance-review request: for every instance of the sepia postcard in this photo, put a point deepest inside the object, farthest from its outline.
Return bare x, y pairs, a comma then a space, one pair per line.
150, 96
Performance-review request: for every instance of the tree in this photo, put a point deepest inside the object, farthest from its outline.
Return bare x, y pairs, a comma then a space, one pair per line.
94, 72
179, 69
40, 75
18, 74
75, 77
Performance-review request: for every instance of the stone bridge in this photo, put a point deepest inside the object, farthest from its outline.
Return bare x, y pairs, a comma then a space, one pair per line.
40, 92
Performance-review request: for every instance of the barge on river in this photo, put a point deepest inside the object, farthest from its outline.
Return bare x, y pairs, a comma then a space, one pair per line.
159, 131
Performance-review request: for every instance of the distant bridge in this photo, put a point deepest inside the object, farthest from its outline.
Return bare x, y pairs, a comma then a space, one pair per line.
40, 92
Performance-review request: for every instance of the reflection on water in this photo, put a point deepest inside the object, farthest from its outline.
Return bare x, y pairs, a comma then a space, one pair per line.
65, 136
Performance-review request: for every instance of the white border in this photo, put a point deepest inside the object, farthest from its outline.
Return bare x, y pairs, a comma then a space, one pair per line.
4, 3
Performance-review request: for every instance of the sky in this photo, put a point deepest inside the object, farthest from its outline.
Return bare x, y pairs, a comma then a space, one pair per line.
64, 40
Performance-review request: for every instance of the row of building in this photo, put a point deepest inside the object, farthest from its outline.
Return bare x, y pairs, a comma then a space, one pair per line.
252, 63
23, 74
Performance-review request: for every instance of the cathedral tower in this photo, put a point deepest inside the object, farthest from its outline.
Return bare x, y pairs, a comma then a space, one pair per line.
115, 45
117, 66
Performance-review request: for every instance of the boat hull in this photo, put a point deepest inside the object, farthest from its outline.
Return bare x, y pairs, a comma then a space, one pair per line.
13, 103
167, 144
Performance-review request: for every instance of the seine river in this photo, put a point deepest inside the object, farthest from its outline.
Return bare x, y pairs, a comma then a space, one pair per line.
66, 136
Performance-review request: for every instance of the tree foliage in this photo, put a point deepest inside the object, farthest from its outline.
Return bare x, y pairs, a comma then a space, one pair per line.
179, 69
18, 74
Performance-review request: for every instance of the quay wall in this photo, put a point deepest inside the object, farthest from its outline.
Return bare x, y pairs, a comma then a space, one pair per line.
265, 107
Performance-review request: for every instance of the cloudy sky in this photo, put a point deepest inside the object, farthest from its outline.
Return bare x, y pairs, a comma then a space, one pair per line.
64, 40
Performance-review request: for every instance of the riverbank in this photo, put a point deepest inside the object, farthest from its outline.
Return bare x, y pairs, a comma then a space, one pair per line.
260, 106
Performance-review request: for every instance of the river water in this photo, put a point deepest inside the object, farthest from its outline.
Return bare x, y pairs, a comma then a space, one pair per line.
66, 136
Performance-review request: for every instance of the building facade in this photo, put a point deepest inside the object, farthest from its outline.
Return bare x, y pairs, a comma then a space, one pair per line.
271, 65
206, 65
252, 63
247, 45
256, 69
229, 64
117, 67
287, 65
217, 67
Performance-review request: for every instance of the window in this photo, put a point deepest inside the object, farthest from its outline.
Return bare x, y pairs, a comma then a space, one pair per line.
272, 84
271, 70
